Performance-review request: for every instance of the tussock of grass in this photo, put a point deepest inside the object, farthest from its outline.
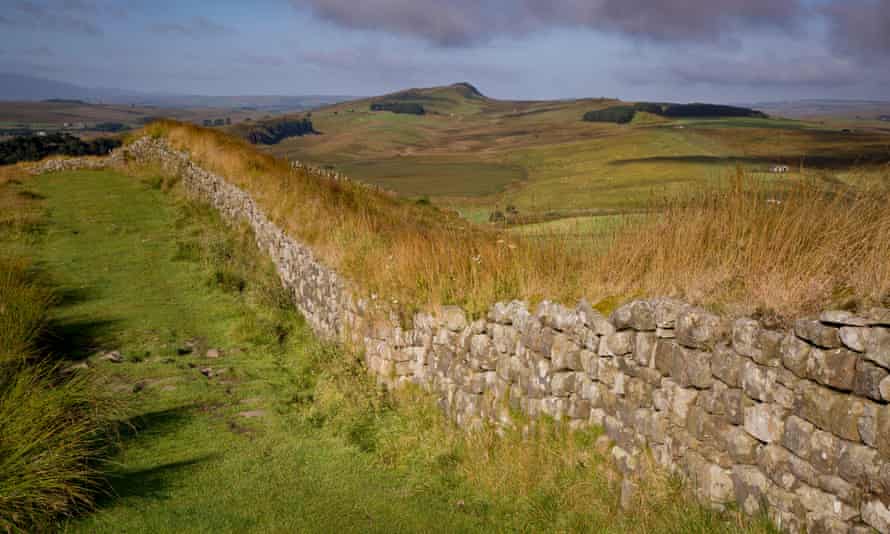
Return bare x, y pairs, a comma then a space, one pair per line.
52, 428
724, 247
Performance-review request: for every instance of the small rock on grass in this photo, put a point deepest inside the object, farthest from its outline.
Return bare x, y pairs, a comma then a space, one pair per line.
252, 414
112, 356
213, 353
207, 371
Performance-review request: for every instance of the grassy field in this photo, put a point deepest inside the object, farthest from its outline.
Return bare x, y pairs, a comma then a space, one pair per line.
566, 165
278, 432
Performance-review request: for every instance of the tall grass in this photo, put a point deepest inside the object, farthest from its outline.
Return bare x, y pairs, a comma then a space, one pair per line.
747, 246
53, 428
792, 249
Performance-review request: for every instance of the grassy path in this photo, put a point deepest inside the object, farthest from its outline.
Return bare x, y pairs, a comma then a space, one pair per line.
221, 454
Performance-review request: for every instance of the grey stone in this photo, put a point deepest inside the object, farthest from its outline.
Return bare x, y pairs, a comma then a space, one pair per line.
828, 410
825, 451
504, 338
563, 384
877, 515
666, 311
834, 368
878, 316
765, 422
644, 348
758, 381
589, 362
594, 319
692, 368
798, 436
112, 356
618, 344
698, 329
453, 318
638, 315
681, 402
776, 463
867, 382
565, 354
742, 448
842, 318
734, 405
726, 365
665, 352
877, 346
854, 338
817, 333
816, 500
796, 356
857, 464
750, 486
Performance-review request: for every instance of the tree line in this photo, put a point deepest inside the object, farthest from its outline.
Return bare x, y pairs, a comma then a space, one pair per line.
271, 132
37, 147
410, 108
625, 114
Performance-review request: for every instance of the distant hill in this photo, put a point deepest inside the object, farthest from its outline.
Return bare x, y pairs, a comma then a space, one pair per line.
18, 87
825, 108
29, 88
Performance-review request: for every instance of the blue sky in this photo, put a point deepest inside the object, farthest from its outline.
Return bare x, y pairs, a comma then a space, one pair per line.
715, 50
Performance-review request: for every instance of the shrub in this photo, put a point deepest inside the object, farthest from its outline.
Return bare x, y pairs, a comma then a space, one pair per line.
616, 114
410, 108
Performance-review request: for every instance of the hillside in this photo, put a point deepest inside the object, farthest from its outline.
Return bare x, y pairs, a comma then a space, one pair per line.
479, 155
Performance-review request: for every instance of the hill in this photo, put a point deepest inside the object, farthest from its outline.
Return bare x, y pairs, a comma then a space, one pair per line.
479, 155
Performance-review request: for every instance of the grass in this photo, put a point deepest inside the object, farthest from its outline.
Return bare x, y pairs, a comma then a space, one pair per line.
753, 254
326, 449
54, 429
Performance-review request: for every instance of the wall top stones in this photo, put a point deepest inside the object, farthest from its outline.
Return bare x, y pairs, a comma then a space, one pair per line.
794, 421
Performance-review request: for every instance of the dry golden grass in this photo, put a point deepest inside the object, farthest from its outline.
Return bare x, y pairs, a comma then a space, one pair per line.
741, 247
748, 246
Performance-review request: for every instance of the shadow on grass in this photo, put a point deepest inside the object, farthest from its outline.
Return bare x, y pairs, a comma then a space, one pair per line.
151, 482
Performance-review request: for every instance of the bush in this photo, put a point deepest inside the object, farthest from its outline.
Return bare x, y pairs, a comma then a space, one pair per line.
409, 108
34, 148
709, 110
272, 132
616, 114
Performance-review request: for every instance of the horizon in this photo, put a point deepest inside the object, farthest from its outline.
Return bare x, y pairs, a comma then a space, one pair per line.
726, 51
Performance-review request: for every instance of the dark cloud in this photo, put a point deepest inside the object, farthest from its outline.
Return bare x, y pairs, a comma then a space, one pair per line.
466, 22
860, 27
194, 27
794, 72
52, 16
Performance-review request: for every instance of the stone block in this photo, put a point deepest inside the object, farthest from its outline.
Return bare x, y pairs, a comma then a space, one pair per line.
453, 318
665, 352
692, 368
796, 355
854, 337
617, 344
638, 315
682, 400
562, 384
644, 348
734, 402
699, 329
758, 381
740, 446
877, 346
776, 463
868, 379
828, 410
565, 354
750, 486
726, 365
798, 436
751, 340
876, 514
816, 500
817, 333
765, 422
834, 368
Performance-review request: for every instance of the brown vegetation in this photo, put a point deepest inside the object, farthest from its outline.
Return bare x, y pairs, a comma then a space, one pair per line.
745, 246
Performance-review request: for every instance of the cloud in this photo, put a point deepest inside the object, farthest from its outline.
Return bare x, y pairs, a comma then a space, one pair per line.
860, 28
40, 51
263, 60
468, 22
195, 27
51, 16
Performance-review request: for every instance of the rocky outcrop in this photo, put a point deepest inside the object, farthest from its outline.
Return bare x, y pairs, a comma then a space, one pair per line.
796, 422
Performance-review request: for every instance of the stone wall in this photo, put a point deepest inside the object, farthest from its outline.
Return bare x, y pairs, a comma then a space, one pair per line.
796, 422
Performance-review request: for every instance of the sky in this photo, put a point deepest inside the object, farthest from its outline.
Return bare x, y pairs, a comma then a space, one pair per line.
677, 50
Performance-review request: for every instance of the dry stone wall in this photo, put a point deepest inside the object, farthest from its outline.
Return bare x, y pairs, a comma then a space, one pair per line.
793, 422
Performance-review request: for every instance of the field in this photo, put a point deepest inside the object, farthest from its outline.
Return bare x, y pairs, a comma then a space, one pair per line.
235, 419
477, 155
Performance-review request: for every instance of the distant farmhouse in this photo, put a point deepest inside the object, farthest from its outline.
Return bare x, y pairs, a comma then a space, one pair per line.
779, 169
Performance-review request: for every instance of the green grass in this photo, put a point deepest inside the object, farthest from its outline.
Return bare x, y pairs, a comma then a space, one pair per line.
150, 276
441, 177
